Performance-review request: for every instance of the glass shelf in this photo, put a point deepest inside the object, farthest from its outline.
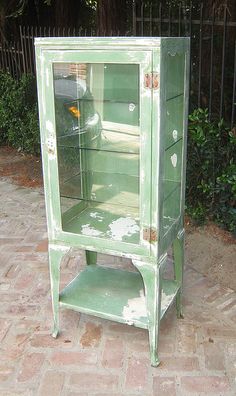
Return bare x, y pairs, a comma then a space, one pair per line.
117, 189
105, 140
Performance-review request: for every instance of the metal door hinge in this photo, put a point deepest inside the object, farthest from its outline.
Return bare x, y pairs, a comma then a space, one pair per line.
151, 80
150, 234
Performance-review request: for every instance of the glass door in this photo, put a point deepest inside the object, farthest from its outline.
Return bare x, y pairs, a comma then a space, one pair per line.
103, 135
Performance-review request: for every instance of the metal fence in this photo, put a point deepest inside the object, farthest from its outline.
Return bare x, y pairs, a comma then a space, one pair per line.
18, 58
213, 49
11, 58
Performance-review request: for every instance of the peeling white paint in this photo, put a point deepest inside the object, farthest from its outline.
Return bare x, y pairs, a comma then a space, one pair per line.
166, 300
95, 215
174, 159
51, 145
59, 248
175, 135
88, 230
131, 107
49, 127
124, 226
136, 308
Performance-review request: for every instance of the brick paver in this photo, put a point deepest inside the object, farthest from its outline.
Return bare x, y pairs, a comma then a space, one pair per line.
94, 356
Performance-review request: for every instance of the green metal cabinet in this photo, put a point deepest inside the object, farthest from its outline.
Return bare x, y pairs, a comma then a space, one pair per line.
113, 120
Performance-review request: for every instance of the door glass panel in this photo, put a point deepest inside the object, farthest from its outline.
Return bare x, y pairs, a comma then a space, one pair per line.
98, 145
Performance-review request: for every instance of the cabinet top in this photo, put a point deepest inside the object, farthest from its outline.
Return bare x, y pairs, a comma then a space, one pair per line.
101, 42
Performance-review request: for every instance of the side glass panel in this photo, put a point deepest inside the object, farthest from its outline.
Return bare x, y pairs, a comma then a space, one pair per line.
174, 118
98, 146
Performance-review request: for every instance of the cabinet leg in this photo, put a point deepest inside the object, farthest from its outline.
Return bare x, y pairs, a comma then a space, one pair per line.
56, 254
91, 257
151, 275
178, 251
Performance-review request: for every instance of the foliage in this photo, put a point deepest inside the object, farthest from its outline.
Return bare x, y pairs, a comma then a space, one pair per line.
18, 113
211, 171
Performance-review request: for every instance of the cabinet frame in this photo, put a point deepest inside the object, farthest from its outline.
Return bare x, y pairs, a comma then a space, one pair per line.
148, 286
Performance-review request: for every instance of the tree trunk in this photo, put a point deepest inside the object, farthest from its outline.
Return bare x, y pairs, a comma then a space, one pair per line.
111, 17
66, 12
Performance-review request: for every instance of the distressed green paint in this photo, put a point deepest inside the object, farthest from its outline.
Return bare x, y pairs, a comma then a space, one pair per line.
116, 294
141, 185
56, 255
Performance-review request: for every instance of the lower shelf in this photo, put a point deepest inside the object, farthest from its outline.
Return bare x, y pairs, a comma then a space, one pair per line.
113, 294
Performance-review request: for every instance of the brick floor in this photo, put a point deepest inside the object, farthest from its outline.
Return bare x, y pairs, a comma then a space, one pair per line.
94, 356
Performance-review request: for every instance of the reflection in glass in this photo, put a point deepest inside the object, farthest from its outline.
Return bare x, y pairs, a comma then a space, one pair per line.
98, 141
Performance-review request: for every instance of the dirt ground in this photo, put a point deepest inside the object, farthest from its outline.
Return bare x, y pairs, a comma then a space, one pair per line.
209, 249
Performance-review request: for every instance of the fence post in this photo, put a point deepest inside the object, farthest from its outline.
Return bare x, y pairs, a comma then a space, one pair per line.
211, 62
134, 18
234, 84
223, 63
22, 50
200, 56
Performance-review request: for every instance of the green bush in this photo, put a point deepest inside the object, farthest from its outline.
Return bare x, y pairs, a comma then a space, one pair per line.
19, 125
211, 171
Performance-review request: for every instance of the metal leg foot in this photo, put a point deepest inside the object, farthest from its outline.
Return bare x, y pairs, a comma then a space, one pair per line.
151, 275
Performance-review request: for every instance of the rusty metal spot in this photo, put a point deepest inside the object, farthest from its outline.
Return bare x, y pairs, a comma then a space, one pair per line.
153, 235
150, 234
147, 80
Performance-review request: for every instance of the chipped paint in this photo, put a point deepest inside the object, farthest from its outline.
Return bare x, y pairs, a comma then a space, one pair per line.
174, 159
51, 146
95, 215
50, 127
131, 107
88, 230
124, 226
166, 300
59, 248
175, 134
135, 308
